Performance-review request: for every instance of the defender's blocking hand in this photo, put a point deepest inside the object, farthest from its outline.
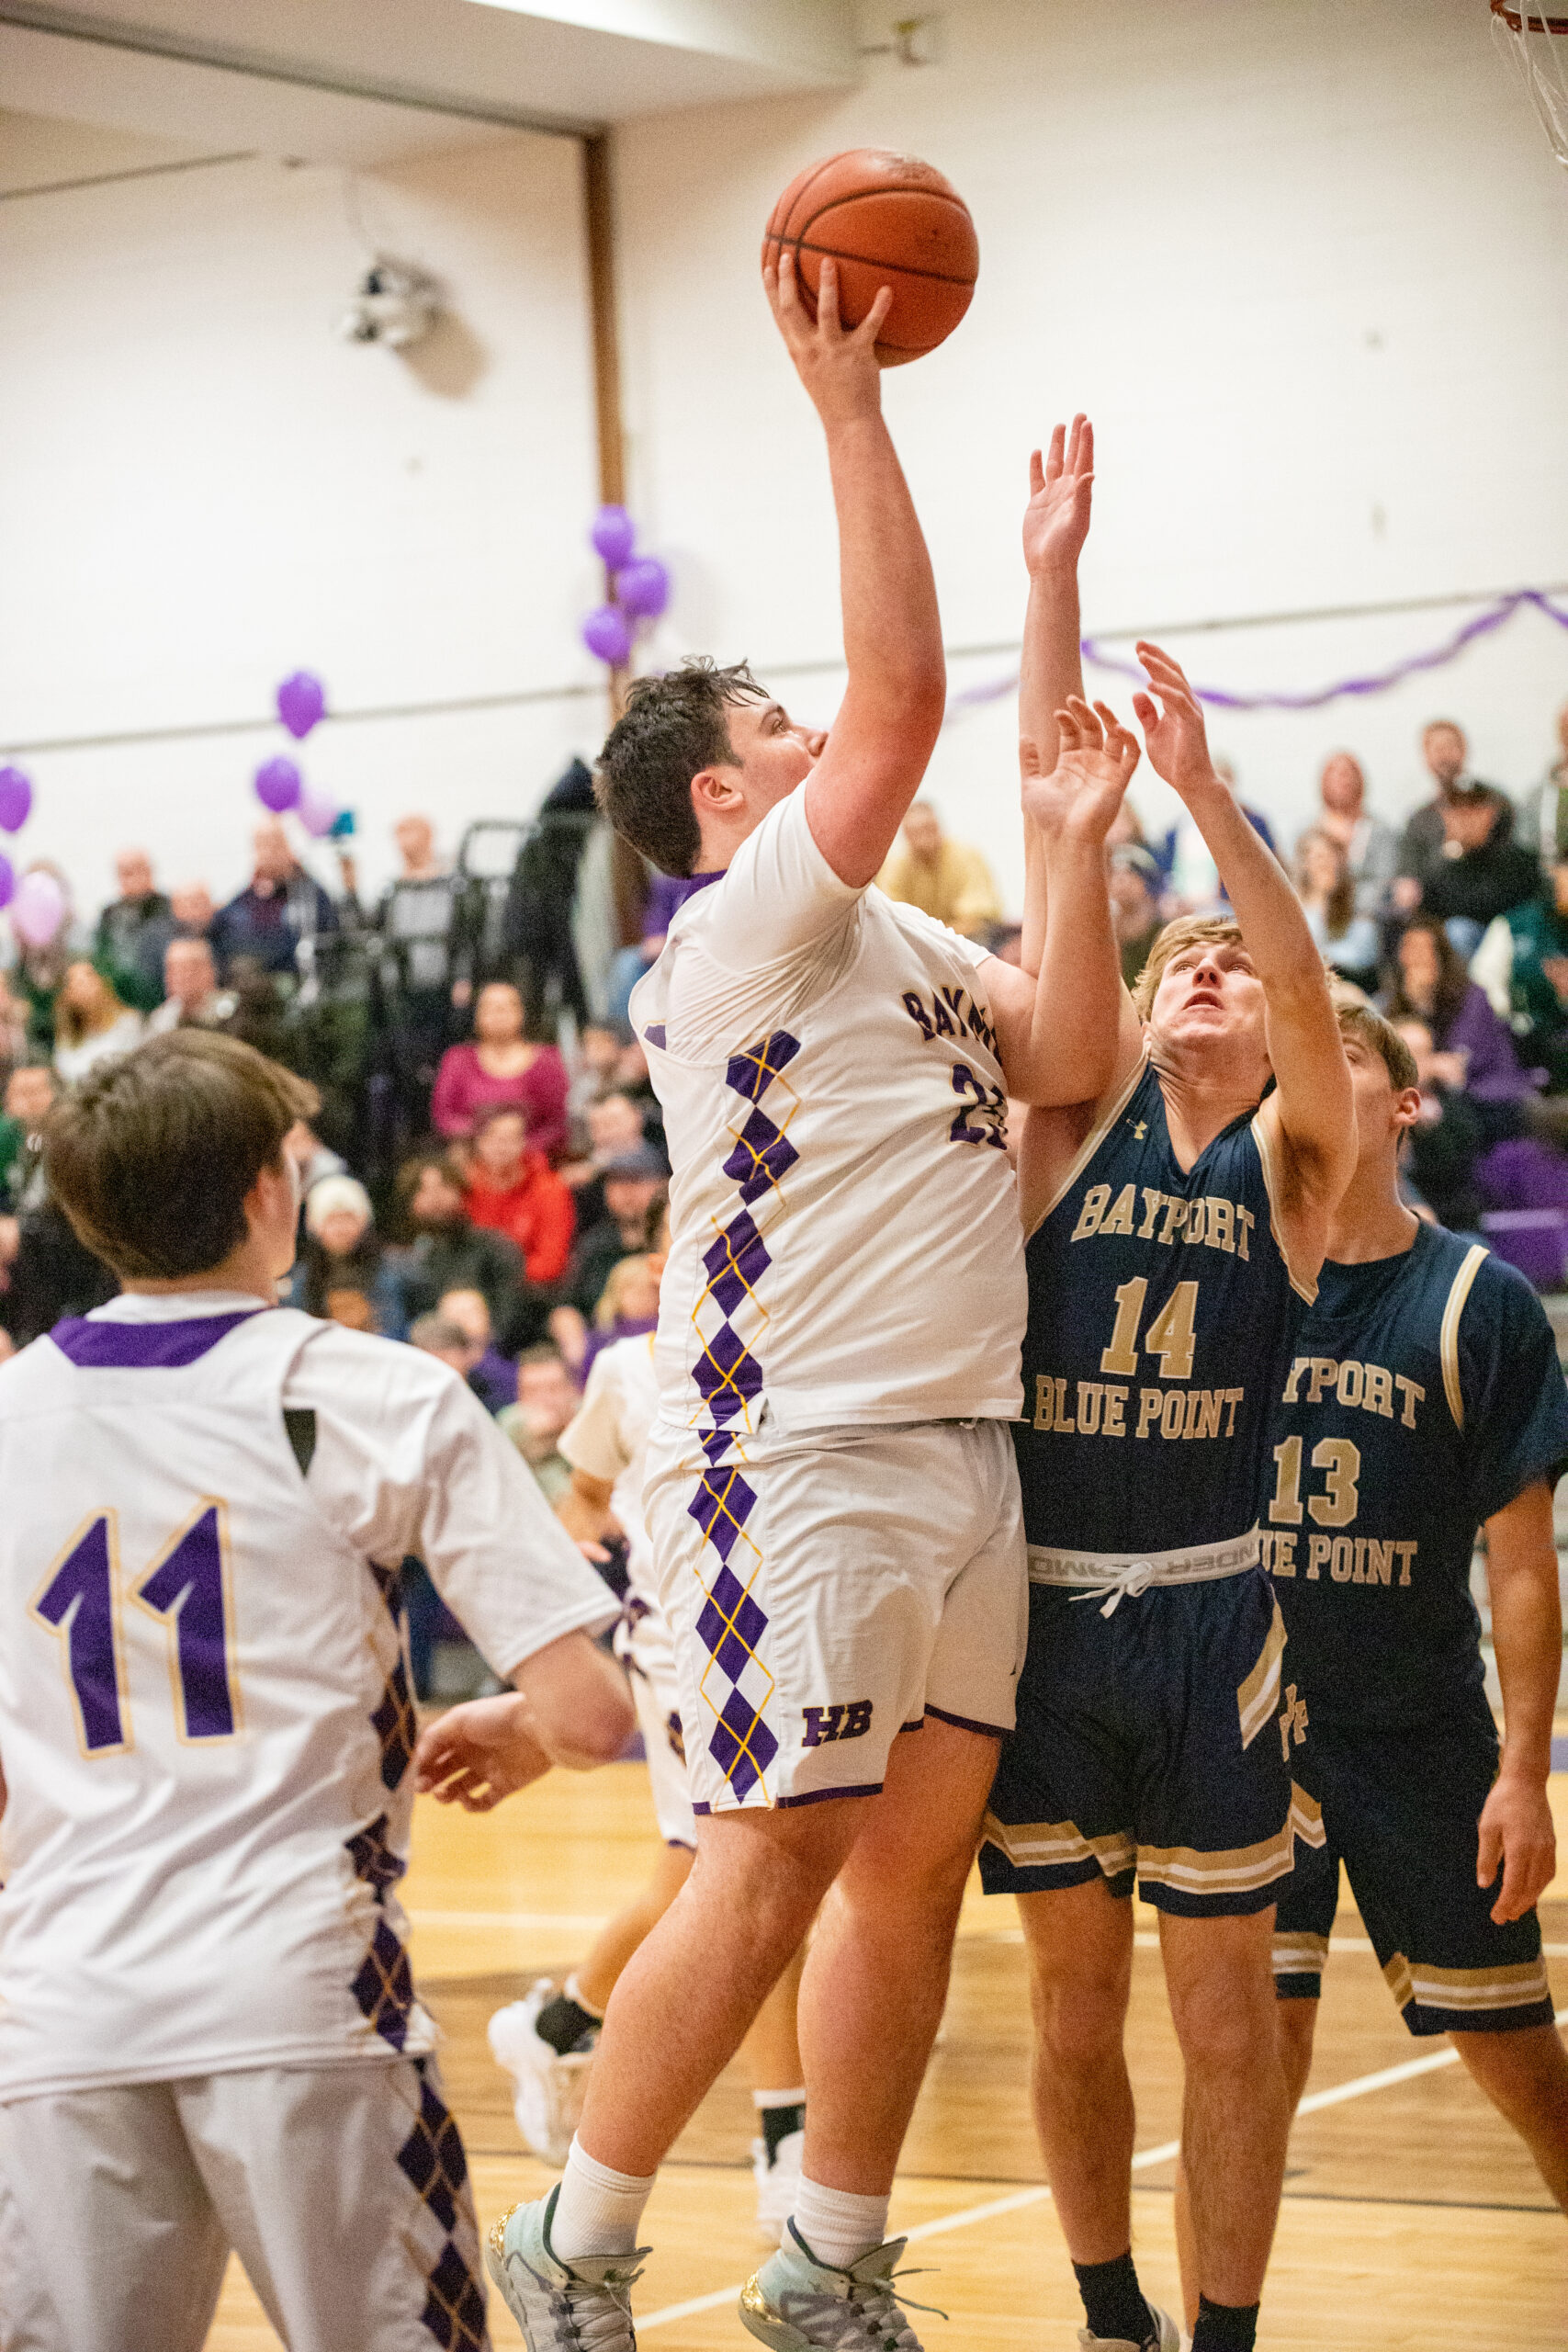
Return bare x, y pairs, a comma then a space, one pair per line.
1174, 730
1095, 759
1056, 521
838, 367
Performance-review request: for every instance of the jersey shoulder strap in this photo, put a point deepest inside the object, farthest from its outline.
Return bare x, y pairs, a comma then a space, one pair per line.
1448, 1338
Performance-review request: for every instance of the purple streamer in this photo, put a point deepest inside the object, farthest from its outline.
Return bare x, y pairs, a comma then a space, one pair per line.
1376, 682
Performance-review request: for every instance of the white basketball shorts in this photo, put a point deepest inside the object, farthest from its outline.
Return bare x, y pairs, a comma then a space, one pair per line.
646, 1649
343, 2191
827, 1591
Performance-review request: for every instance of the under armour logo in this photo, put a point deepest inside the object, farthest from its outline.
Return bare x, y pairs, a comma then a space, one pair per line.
851, 1721
1292, 1718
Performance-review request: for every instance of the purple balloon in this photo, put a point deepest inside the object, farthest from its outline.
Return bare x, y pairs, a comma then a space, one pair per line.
16, 799
643, 588
614, 536
317, 812
301, 700
8, 882
608, 633
279, 785
37, 908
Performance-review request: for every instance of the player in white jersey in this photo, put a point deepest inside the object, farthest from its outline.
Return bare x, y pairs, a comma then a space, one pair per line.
831, 1493
546, 2041
209, 2037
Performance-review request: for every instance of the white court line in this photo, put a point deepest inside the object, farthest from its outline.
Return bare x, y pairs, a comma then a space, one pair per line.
1144, 2160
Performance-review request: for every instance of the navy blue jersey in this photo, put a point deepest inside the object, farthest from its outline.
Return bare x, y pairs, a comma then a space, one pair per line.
1162, 1319
1425, 1394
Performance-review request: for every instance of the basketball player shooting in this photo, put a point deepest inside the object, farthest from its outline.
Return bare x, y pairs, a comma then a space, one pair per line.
1175, 1230
831, 1491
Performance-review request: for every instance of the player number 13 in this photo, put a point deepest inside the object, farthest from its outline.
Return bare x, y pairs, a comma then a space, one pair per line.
185, 1587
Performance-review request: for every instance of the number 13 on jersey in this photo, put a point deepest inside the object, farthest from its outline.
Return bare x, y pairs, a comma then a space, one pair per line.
187, 1587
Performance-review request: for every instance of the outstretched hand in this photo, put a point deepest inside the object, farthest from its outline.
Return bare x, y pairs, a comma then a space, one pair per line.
838, 366
1173, 730
1095, 759
1061, 483
477, 1753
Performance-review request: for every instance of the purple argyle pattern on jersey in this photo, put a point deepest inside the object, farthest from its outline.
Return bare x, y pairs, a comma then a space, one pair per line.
433, 2161
373, 1859
390, 1585
384, 1986
431, 2157
396, 1726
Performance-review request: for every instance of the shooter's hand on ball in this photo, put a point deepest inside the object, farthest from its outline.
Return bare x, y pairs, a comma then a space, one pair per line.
1173, 730
1061, 484
1078, 801
839, 367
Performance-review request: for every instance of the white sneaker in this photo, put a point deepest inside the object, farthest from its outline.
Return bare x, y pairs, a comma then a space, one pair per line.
581, 2306
549, 2088
794, 2301
777, 2179
1167, 2337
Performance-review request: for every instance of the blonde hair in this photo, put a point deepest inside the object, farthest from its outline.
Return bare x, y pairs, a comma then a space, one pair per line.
1187, 930
607, 1314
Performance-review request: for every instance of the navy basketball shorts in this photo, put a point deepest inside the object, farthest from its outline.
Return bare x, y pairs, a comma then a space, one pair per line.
1401, 1809
1149, 1744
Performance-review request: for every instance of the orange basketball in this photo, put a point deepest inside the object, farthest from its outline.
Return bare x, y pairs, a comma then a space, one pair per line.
887, 220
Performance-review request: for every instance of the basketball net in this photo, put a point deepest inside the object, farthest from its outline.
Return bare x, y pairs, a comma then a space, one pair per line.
1538, 45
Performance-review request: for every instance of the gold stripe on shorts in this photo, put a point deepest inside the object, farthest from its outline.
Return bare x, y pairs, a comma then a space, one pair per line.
1517, 1987
1236, 1871
1298, 1953
1257, 1697
1047, 1845
1306, 1819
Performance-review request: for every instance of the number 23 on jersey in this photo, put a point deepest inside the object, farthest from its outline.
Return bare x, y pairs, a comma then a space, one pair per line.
185, 1587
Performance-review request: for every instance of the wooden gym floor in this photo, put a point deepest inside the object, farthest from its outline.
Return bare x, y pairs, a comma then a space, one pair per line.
1412, 2216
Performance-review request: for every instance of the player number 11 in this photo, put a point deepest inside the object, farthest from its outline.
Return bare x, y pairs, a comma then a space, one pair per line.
186, 1588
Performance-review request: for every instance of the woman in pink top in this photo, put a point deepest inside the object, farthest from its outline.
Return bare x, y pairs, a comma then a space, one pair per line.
502, 1066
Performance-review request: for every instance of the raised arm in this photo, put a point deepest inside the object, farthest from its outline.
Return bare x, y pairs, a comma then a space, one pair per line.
1055, 525
860, 790
1310, 1111
1527, 1634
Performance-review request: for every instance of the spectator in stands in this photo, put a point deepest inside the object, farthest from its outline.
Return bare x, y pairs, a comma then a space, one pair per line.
438, 1335
1522, 964
1543, 819
415, 839
1427, 840
1481, 873
615, 1126
92, 1023
1348, 942
13, 1026
666, 894
1473, 1051
1192, 879
548, 1397
502, 1066
37, 971
312, 1158
1444, 1144
942, 878
192, 998
491, 1376
342, 1252
1371, 847
193, 909
511, 1188
449, 1253
279, 906
633, 1187
628, 1304
29, 1097
134, 929
1135, 881
594, 1067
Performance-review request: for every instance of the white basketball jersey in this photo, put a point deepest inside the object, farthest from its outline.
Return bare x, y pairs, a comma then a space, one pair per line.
846, 1241
206, 1721
608, 1438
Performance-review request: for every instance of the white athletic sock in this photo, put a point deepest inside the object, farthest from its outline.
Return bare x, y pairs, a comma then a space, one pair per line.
763, 2100
837, 2226
573, 1993
598, 2210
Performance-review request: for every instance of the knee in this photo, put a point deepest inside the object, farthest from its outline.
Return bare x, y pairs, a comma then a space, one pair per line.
1079, 2019
1227, 2025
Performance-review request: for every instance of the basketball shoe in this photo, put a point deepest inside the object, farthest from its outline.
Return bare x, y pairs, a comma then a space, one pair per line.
549, 2087
1166, 2337
796, 2301
581, 2306
777, 2178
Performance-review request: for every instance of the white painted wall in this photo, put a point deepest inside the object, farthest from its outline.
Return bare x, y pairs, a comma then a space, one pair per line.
204, 490
1307, 267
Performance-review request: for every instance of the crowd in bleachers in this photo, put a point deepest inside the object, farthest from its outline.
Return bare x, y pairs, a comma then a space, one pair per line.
486, 1172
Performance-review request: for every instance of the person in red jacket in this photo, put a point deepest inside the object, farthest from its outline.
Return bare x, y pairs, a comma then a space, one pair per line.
514, 1190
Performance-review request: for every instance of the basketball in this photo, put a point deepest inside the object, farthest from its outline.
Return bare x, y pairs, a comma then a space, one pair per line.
886, 219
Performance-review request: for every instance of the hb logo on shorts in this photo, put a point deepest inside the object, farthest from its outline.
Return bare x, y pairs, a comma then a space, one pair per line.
852, 1722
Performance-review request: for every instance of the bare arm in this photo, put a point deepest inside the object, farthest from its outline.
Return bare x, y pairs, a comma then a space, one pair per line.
1310, 1112
1055, 525
1527, 1635
859, 793
1058, 1033
584, 1509
569, 1706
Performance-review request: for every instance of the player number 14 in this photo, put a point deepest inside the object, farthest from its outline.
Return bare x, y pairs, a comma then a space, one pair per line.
186, 1588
